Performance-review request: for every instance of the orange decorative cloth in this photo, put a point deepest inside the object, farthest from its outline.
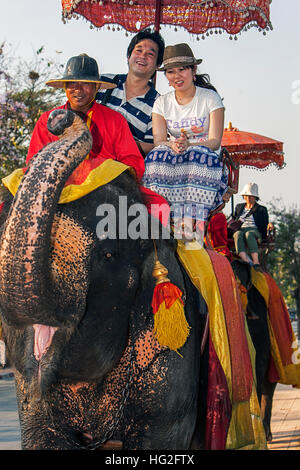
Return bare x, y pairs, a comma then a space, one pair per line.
280, 320
285, 363
241, 369
284, 366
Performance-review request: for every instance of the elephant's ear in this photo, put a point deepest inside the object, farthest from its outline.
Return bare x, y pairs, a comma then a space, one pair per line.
71, 246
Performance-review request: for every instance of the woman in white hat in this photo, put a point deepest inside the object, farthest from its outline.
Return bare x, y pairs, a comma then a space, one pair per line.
255, 224
184, 167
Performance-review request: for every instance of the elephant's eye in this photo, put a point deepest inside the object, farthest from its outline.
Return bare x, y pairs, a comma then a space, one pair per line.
107, 255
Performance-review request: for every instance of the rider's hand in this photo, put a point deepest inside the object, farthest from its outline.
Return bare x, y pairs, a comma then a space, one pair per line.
181, 144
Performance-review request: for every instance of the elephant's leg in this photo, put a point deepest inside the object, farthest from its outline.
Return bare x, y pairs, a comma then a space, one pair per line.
198, 440
268, 389
259, 332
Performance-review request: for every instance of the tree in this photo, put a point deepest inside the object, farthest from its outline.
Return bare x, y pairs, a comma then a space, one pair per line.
23, 98
284, 261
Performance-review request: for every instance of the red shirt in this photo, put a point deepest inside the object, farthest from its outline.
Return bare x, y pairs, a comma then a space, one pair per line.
111, 139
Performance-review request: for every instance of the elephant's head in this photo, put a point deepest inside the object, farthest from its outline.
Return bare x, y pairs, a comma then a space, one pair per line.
67, 293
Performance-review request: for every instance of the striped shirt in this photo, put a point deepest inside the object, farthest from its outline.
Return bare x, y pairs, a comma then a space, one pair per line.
137, 111
248, 220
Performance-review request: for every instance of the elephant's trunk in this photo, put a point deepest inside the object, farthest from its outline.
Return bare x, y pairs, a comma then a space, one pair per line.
26, 288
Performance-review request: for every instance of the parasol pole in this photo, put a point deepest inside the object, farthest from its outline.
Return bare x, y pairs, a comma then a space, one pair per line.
157, 25
157, 15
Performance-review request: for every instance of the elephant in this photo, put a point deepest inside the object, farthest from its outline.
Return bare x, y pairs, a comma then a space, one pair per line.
259, 331
77, 317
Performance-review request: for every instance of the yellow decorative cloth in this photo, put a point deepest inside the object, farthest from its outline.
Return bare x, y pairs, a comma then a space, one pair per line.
284, 347
99, 176
245, 429
260, 282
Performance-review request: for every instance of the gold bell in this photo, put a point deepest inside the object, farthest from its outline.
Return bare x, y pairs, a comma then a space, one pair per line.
160, 272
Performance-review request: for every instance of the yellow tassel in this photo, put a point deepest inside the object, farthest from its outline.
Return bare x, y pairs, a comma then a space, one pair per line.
170, 326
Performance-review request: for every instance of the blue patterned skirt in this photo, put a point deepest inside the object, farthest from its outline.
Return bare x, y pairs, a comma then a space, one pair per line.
193, 183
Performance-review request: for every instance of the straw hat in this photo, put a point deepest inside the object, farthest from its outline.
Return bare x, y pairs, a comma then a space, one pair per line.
178, 56
81, 68
250, 189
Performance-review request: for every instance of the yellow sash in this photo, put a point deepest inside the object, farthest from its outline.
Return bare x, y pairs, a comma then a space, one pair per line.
99, 176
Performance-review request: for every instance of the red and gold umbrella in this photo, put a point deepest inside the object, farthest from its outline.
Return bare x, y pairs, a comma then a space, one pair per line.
196, 16
253, 150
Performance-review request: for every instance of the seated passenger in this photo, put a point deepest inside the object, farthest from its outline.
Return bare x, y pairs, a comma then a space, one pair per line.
217, 234
135, 93
184, 167
255, 224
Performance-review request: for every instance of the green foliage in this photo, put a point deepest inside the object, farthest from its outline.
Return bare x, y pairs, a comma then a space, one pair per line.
23, 98
284, 261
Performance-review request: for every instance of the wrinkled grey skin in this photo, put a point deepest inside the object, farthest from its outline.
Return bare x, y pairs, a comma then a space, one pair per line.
102, 374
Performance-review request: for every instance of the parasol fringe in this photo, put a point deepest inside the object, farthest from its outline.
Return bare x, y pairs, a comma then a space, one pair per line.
201, 17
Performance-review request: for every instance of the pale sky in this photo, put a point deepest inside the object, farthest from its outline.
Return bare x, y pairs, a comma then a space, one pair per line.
258, 76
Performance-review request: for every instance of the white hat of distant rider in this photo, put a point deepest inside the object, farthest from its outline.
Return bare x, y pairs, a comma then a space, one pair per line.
250, 189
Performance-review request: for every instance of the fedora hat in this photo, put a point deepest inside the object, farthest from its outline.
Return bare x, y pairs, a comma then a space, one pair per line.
80, 68
177, 56
250, 189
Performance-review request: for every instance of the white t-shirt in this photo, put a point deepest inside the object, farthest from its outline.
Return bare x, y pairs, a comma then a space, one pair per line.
192, 117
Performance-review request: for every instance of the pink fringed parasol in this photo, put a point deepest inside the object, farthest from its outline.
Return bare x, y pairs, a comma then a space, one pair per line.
197, 17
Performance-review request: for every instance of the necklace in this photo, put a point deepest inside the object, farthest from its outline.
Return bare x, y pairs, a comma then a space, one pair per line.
186, 97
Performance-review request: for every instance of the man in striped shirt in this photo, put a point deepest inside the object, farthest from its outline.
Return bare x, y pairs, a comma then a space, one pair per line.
135, 94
